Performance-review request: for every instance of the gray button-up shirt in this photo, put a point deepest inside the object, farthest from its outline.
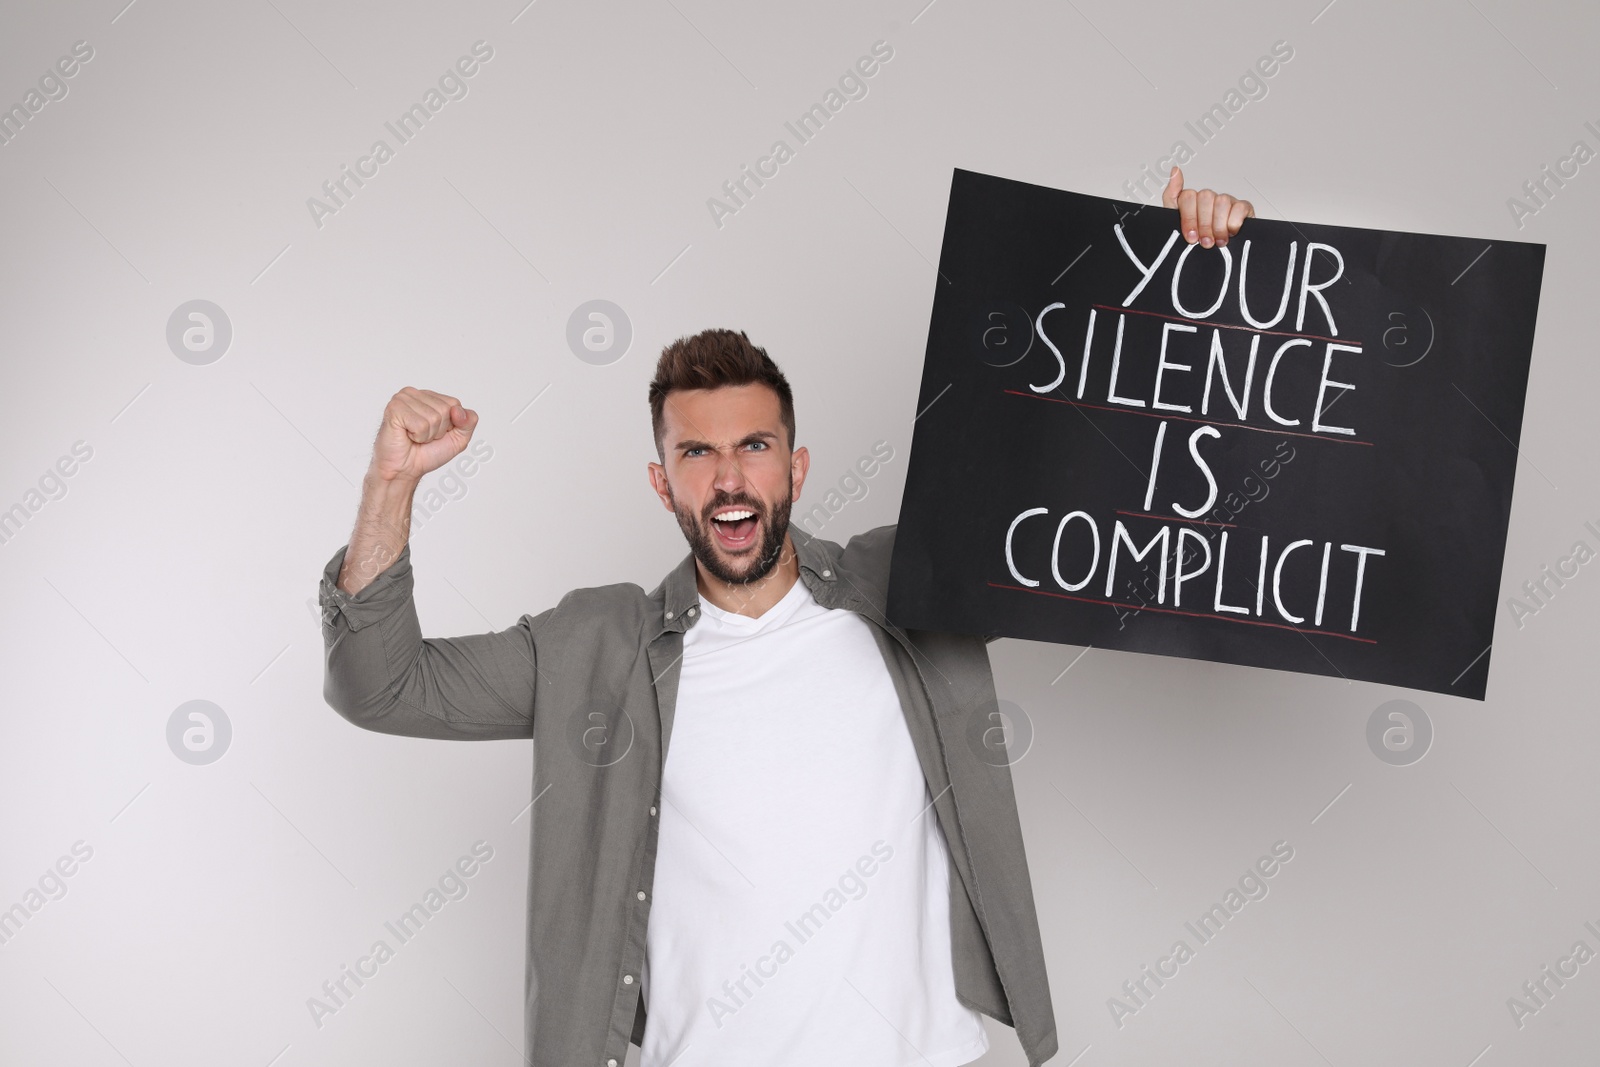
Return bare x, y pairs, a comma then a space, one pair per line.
594, 682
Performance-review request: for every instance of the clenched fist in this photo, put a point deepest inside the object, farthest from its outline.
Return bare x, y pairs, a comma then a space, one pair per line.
421, 432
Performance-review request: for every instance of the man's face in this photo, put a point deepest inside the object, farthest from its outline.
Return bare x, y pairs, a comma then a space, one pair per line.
729, 477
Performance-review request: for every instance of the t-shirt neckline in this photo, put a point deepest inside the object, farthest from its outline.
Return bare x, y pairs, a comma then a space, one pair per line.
776, 614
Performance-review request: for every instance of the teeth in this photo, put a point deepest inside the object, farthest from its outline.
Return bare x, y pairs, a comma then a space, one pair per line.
733, 516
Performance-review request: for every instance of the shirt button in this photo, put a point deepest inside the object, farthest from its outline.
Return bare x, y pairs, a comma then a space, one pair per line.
827, 574
669, 615
691, 611
641, 894
611, 1063
652, 809
627, 979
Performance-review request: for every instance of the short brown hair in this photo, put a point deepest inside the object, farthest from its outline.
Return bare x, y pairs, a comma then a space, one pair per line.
713, 358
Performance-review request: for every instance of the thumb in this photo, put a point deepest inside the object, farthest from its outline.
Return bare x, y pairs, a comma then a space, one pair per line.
1169, 195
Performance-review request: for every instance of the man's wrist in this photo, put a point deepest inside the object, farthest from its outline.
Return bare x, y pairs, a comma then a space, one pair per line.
377, 480
383, 527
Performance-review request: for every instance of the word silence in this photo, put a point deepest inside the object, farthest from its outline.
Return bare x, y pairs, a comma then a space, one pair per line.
1115, 389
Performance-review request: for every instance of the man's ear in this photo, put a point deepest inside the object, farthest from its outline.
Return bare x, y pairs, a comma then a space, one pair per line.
799, 464
658, 482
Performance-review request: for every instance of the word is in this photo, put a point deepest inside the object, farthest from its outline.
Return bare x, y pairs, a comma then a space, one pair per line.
1225, 512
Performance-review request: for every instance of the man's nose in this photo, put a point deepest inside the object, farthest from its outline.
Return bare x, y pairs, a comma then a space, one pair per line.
730, 477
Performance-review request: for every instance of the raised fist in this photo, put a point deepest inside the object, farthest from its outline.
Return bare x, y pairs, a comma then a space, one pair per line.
422, 431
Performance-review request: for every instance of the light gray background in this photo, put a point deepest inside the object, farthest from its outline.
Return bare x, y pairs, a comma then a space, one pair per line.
179, 564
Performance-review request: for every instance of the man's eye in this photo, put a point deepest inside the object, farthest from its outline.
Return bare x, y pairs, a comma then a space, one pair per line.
692, 451
758, 444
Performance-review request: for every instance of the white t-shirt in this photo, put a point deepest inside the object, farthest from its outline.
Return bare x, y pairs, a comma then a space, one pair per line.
802, 896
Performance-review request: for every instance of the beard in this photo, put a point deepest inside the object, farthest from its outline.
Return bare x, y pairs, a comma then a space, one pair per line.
702, 544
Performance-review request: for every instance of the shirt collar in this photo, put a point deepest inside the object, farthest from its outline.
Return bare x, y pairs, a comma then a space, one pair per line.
819, 569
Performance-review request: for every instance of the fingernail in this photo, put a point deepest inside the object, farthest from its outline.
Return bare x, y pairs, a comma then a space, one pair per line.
1205, 242
1190, 235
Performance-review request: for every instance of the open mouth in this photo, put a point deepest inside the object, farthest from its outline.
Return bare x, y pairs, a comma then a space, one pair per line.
735, 528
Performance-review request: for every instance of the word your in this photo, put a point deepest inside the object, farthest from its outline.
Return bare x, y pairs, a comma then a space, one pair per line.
52, 486
51, 887
852, 885
1252, 86
52, 86
452, 484
452, 886
1252, 886
452, 86
1566, 568
1539, 190
1538, 991
852, 86
851, 488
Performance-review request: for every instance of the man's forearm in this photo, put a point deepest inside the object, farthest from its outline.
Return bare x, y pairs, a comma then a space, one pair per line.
383, 524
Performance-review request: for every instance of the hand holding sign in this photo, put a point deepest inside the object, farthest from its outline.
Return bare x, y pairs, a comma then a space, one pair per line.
1205, 216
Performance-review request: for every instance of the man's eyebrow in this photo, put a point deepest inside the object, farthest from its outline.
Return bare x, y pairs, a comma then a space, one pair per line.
754, 435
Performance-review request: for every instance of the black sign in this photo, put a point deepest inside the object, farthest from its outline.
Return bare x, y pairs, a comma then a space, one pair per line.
1295, 452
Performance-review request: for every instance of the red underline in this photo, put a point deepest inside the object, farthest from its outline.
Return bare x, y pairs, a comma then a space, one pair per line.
1191, 614
1185, 418
1224, 325
1175, 518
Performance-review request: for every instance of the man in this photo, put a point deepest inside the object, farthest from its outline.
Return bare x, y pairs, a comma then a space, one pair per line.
760, 835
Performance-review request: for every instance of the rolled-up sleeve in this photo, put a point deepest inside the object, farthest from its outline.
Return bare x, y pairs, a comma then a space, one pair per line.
383, 675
